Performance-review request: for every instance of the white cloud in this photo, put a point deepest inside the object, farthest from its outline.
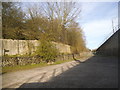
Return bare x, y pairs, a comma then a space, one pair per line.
96, 31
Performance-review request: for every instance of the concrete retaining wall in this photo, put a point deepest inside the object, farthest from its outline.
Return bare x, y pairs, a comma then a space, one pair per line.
22, 47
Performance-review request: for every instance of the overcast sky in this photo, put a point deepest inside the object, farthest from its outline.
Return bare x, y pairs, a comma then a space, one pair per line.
96, 21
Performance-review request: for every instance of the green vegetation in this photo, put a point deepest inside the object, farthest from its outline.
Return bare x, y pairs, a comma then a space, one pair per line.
54, 20
12, 20
47, 51
23, 67
18, 55
47, 22
62, 61
26, 67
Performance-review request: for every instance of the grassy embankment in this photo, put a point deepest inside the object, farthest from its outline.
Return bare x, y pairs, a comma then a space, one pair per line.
42, 64
25, 67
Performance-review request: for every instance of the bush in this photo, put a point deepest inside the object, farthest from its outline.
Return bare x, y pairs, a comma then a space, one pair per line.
47, 51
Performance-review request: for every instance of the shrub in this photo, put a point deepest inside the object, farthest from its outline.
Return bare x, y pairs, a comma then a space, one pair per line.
47, 51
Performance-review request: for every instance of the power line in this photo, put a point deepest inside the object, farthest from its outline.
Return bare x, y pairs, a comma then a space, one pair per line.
116, 28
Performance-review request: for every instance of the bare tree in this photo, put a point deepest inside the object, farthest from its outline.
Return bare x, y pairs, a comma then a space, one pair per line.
58, 21
65, 12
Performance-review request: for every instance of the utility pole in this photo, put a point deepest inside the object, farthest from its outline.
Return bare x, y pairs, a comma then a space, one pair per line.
113, 26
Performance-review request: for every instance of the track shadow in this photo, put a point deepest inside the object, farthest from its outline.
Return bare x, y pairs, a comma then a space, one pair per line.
62, 70
76, 59
3, 73
53, 74
42, 77
96, 72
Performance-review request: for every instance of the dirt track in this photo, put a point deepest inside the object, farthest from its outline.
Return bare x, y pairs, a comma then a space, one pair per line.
15, 79
96, 72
